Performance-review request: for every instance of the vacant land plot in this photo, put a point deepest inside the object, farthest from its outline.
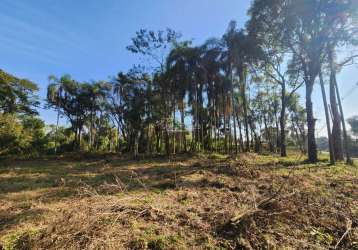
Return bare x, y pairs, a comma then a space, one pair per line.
190, 202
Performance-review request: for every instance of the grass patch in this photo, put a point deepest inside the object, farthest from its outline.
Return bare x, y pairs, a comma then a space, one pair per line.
19, 240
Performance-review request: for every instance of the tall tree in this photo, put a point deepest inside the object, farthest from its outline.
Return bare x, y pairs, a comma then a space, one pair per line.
305, 28
70, 98
328, 123
17, 95
154, 46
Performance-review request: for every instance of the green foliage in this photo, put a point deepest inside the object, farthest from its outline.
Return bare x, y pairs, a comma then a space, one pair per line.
307, 30
153, 45
19, 240
22, 135
322, 237
21, 132
78, 102
17, 95
60, 137
13, 140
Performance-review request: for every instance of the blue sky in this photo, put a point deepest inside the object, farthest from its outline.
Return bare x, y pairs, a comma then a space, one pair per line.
87, 38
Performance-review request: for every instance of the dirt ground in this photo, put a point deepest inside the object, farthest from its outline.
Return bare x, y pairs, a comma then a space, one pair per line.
189, 202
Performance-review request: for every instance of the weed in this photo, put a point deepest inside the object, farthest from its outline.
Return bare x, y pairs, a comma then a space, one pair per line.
19, 240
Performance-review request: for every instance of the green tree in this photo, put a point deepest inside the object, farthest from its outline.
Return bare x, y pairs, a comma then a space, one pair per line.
23, 135
70, 98
17, 95
134, 97
305, 29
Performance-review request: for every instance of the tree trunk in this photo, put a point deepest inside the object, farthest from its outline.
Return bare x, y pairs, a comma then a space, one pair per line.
233, 109
302, 133
174, 134
135, 148
225, 134
91, 131
240, 133
157, 135
283, 120
79, 137
182, 120
345, 135
336, 126
196, 120
229, 133
202, 136
278, 145
268, 135
56, 130
74, 143
295, 129
119, 139
149, 148
167, 140
330, 141
311, 123
242, 77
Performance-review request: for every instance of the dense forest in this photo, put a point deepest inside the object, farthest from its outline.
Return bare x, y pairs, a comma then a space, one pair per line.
210, 145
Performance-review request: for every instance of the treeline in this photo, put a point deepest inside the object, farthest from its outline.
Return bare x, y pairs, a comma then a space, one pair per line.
231, 94
195, 98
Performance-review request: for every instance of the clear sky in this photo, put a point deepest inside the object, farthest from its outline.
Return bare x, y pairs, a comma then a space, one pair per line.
87, 38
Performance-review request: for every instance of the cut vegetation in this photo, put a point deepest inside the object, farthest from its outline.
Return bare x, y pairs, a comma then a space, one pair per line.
196, 202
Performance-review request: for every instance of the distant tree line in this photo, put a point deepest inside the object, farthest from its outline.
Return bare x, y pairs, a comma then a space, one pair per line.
323, 143
232, 94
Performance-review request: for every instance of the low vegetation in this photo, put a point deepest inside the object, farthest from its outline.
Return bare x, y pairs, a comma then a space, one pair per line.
196, 201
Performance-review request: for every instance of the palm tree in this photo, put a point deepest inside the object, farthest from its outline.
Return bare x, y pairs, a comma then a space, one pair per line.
54, 92
178, 73
231, 58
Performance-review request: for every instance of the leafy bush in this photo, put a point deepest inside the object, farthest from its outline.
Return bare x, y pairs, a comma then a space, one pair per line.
21, 135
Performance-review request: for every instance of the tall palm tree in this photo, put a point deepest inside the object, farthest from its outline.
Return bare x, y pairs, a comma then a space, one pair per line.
54, 92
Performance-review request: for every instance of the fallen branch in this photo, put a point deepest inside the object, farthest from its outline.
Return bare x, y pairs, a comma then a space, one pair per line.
260, 207
349, 228
236, 220
274, 198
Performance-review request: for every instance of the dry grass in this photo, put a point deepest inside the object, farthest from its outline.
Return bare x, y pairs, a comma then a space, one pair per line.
200, 202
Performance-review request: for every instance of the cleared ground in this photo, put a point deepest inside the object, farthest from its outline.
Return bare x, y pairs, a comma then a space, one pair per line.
190, 202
